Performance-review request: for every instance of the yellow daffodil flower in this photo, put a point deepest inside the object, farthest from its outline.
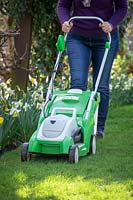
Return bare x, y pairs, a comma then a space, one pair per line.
33, 80
15, 114
8, 82
7, 109
1, 120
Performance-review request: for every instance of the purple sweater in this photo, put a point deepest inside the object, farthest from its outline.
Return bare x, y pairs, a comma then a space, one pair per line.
112, 11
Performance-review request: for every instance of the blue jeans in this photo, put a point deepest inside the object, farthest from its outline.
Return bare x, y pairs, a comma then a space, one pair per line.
83, 51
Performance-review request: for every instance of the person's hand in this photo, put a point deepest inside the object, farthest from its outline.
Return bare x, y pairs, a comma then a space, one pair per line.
66, 27
106, 27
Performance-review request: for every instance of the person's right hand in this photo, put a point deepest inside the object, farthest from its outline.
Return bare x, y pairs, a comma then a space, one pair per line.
106, 27
66, 27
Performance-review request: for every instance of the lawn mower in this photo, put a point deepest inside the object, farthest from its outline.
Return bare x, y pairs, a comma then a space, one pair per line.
68, 122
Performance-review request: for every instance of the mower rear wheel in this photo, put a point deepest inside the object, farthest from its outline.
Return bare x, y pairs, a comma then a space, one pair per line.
73, 154
93, 144
25, 155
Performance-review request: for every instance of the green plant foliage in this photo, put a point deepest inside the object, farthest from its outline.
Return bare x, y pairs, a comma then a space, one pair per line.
121, 90
19, 114
7, 130
14, 8
45, 30
124, 28
126, 21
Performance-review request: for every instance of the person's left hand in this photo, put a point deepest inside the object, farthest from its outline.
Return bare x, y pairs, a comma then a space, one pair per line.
106, 27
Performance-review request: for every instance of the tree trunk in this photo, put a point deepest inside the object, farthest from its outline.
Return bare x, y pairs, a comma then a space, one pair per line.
22, 49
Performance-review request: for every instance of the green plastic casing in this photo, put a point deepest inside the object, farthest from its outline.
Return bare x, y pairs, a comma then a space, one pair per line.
64, 99
107, 45
60, 45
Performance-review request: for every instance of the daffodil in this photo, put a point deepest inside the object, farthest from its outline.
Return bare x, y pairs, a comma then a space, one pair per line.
17, 104
41, 98
20, 103
33, 80
1, 120
7, 109
9, 81
15, 114
26, 107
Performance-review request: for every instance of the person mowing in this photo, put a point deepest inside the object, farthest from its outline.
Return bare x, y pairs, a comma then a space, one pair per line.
86, 44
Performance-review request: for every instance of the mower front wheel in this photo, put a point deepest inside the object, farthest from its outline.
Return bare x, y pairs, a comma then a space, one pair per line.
73, 154
25, 155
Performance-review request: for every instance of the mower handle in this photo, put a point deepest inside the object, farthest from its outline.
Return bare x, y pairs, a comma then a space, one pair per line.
90, 17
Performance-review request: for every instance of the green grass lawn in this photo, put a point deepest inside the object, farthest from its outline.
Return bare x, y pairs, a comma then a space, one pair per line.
106, 176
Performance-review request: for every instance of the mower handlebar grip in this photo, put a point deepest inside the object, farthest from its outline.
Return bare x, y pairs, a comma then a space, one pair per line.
89, 18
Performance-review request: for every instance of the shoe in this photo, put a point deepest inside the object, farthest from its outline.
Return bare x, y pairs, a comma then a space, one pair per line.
100, 134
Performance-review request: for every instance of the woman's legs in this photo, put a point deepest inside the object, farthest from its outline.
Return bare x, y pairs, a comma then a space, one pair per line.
80, 52
79, 59
97, 55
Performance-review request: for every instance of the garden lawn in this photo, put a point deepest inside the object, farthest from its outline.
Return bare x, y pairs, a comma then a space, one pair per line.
106, 176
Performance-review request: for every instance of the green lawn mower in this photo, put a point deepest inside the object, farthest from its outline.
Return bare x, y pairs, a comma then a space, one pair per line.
68, 122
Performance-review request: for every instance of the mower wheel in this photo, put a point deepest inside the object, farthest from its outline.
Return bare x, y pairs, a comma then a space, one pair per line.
73, 154
25, 155
93, 144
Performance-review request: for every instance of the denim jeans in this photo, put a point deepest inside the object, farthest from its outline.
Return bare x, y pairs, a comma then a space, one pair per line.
83, 51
